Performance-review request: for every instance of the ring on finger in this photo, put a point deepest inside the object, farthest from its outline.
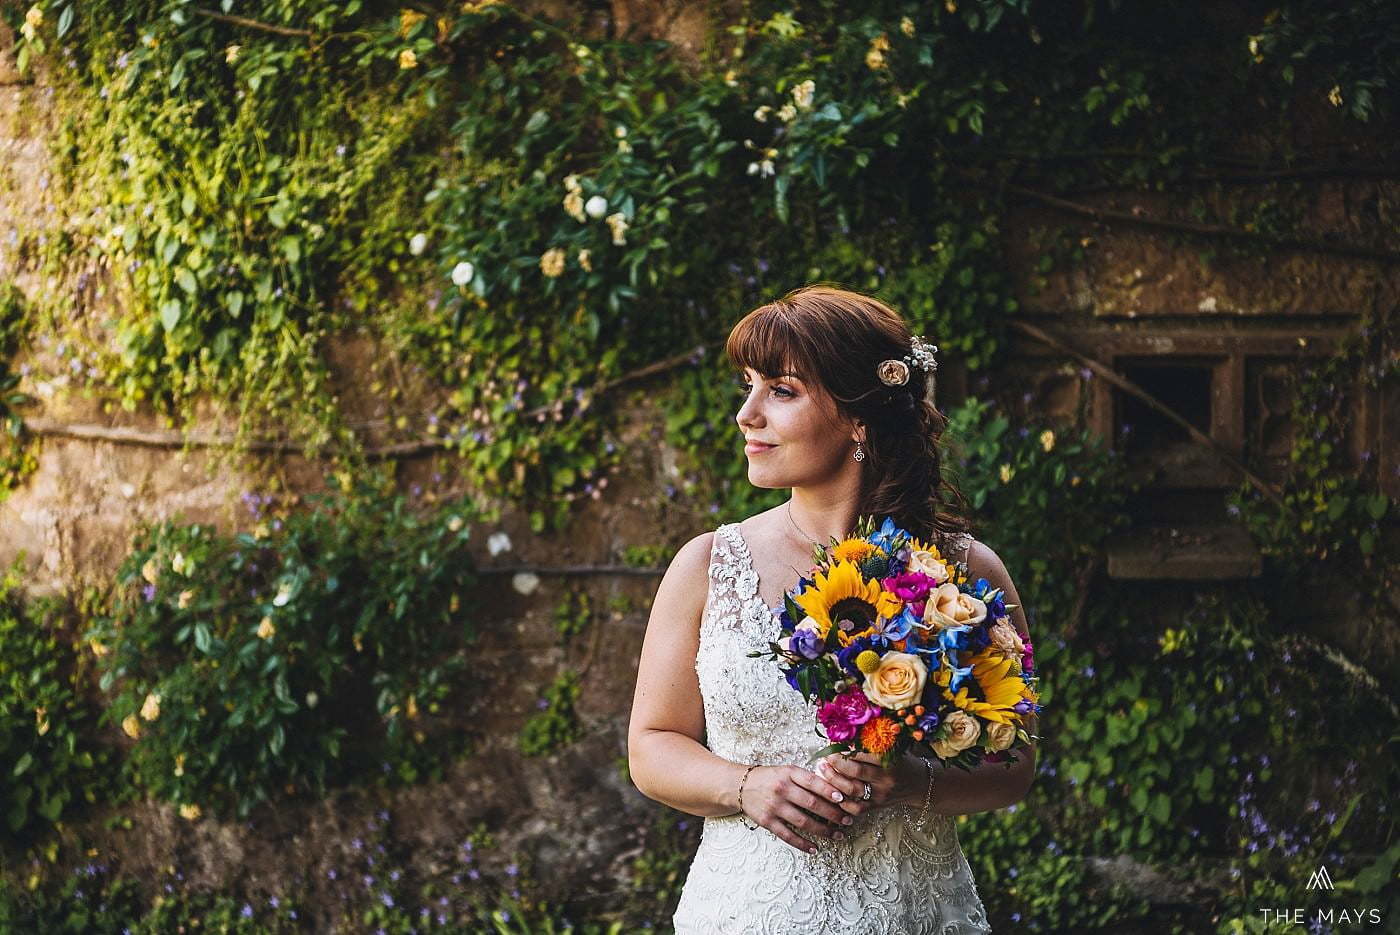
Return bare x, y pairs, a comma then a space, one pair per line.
865, 796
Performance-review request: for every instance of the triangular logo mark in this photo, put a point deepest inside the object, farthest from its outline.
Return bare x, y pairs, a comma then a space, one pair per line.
1320, 879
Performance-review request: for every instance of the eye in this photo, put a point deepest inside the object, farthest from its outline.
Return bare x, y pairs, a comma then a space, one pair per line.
743, 388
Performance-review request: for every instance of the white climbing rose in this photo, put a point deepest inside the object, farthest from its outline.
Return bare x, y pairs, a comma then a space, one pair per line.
462, 273
597, 206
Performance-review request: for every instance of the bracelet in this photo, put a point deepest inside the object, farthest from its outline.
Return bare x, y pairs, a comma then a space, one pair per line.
928, 798
742, 816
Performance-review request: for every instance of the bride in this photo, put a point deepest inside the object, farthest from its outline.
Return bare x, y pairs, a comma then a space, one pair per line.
846, 846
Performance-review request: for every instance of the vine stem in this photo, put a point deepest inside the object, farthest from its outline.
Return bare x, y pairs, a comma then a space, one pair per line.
571, 570
254, 24
1111, 216
125, 435
1128, 386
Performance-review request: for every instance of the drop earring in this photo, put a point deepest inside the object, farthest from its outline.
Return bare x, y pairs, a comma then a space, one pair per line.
860, 453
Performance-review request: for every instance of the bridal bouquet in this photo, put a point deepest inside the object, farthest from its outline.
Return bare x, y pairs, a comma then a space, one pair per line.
900, 651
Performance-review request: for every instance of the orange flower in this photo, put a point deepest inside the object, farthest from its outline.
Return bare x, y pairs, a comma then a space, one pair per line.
852, 550
878, 735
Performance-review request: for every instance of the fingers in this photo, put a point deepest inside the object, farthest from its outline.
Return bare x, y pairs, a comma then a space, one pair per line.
786, 820
819, 797
851, 788
850, 775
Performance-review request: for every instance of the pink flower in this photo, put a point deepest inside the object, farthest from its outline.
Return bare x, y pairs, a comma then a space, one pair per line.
843, 716
910, 586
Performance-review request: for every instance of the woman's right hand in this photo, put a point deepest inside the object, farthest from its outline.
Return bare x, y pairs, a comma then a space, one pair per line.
788, 799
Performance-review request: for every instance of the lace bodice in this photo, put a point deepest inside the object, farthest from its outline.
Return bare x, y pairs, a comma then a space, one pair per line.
886, 877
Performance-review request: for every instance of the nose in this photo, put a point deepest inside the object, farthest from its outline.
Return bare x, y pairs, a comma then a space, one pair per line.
748, 411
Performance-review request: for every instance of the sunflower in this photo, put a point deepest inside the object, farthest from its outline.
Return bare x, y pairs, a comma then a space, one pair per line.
852, 550
997, 690
843, 594
917, 545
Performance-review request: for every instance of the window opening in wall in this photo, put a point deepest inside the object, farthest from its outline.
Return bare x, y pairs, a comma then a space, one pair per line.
1142, 432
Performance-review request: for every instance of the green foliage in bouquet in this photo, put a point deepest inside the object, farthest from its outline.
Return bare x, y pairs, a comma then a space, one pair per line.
304, 654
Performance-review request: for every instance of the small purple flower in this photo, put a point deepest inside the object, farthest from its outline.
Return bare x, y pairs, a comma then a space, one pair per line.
247, 911
807, 643
274, 902
331, 874
474, 874
387, 900
512, 870
149, 592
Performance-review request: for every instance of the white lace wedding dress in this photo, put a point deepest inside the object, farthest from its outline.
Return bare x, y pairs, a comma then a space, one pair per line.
885, 878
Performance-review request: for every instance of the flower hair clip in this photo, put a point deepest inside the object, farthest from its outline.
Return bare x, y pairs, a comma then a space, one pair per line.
896, 372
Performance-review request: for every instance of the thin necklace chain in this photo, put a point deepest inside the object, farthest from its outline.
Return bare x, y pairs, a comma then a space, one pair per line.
797, 527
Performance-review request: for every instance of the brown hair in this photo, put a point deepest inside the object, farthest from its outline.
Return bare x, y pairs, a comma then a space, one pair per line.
835, 338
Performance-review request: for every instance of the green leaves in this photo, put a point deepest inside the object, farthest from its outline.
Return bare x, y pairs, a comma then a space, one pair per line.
246, 640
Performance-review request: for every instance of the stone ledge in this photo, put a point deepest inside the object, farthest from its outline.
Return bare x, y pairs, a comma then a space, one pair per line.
1183, 552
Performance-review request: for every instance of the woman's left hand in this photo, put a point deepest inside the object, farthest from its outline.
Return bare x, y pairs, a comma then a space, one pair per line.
850, 774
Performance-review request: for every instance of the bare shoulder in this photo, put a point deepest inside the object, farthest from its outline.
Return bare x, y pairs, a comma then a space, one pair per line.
983, 562
694, 555
690, 564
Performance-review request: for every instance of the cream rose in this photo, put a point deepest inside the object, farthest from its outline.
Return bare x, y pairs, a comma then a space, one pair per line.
949, 607
150, 709
1000, 736
898, 682
963, 731
1005, 638
928, 564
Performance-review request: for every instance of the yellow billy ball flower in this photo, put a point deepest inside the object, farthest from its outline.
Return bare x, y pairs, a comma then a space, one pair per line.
868, 661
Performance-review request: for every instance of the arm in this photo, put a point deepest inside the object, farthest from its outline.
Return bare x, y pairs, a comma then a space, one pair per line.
667, 759
665, 753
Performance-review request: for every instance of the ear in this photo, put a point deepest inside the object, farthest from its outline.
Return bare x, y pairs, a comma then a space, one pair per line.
858, 432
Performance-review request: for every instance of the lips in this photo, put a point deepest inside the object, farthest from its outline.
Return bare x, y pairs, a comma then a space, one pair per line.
754, 447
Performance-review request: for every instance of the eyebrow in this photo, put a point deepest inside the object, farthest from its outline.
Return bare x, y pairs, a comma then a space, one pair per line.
781, 376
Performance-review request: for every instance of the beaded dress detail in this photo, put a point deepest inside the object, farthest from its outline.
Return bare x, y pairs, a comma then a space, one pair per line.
886, 878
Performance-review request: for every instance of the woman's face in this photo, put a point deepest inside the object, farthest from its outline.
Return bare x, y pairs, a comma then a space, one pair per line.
803, 441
